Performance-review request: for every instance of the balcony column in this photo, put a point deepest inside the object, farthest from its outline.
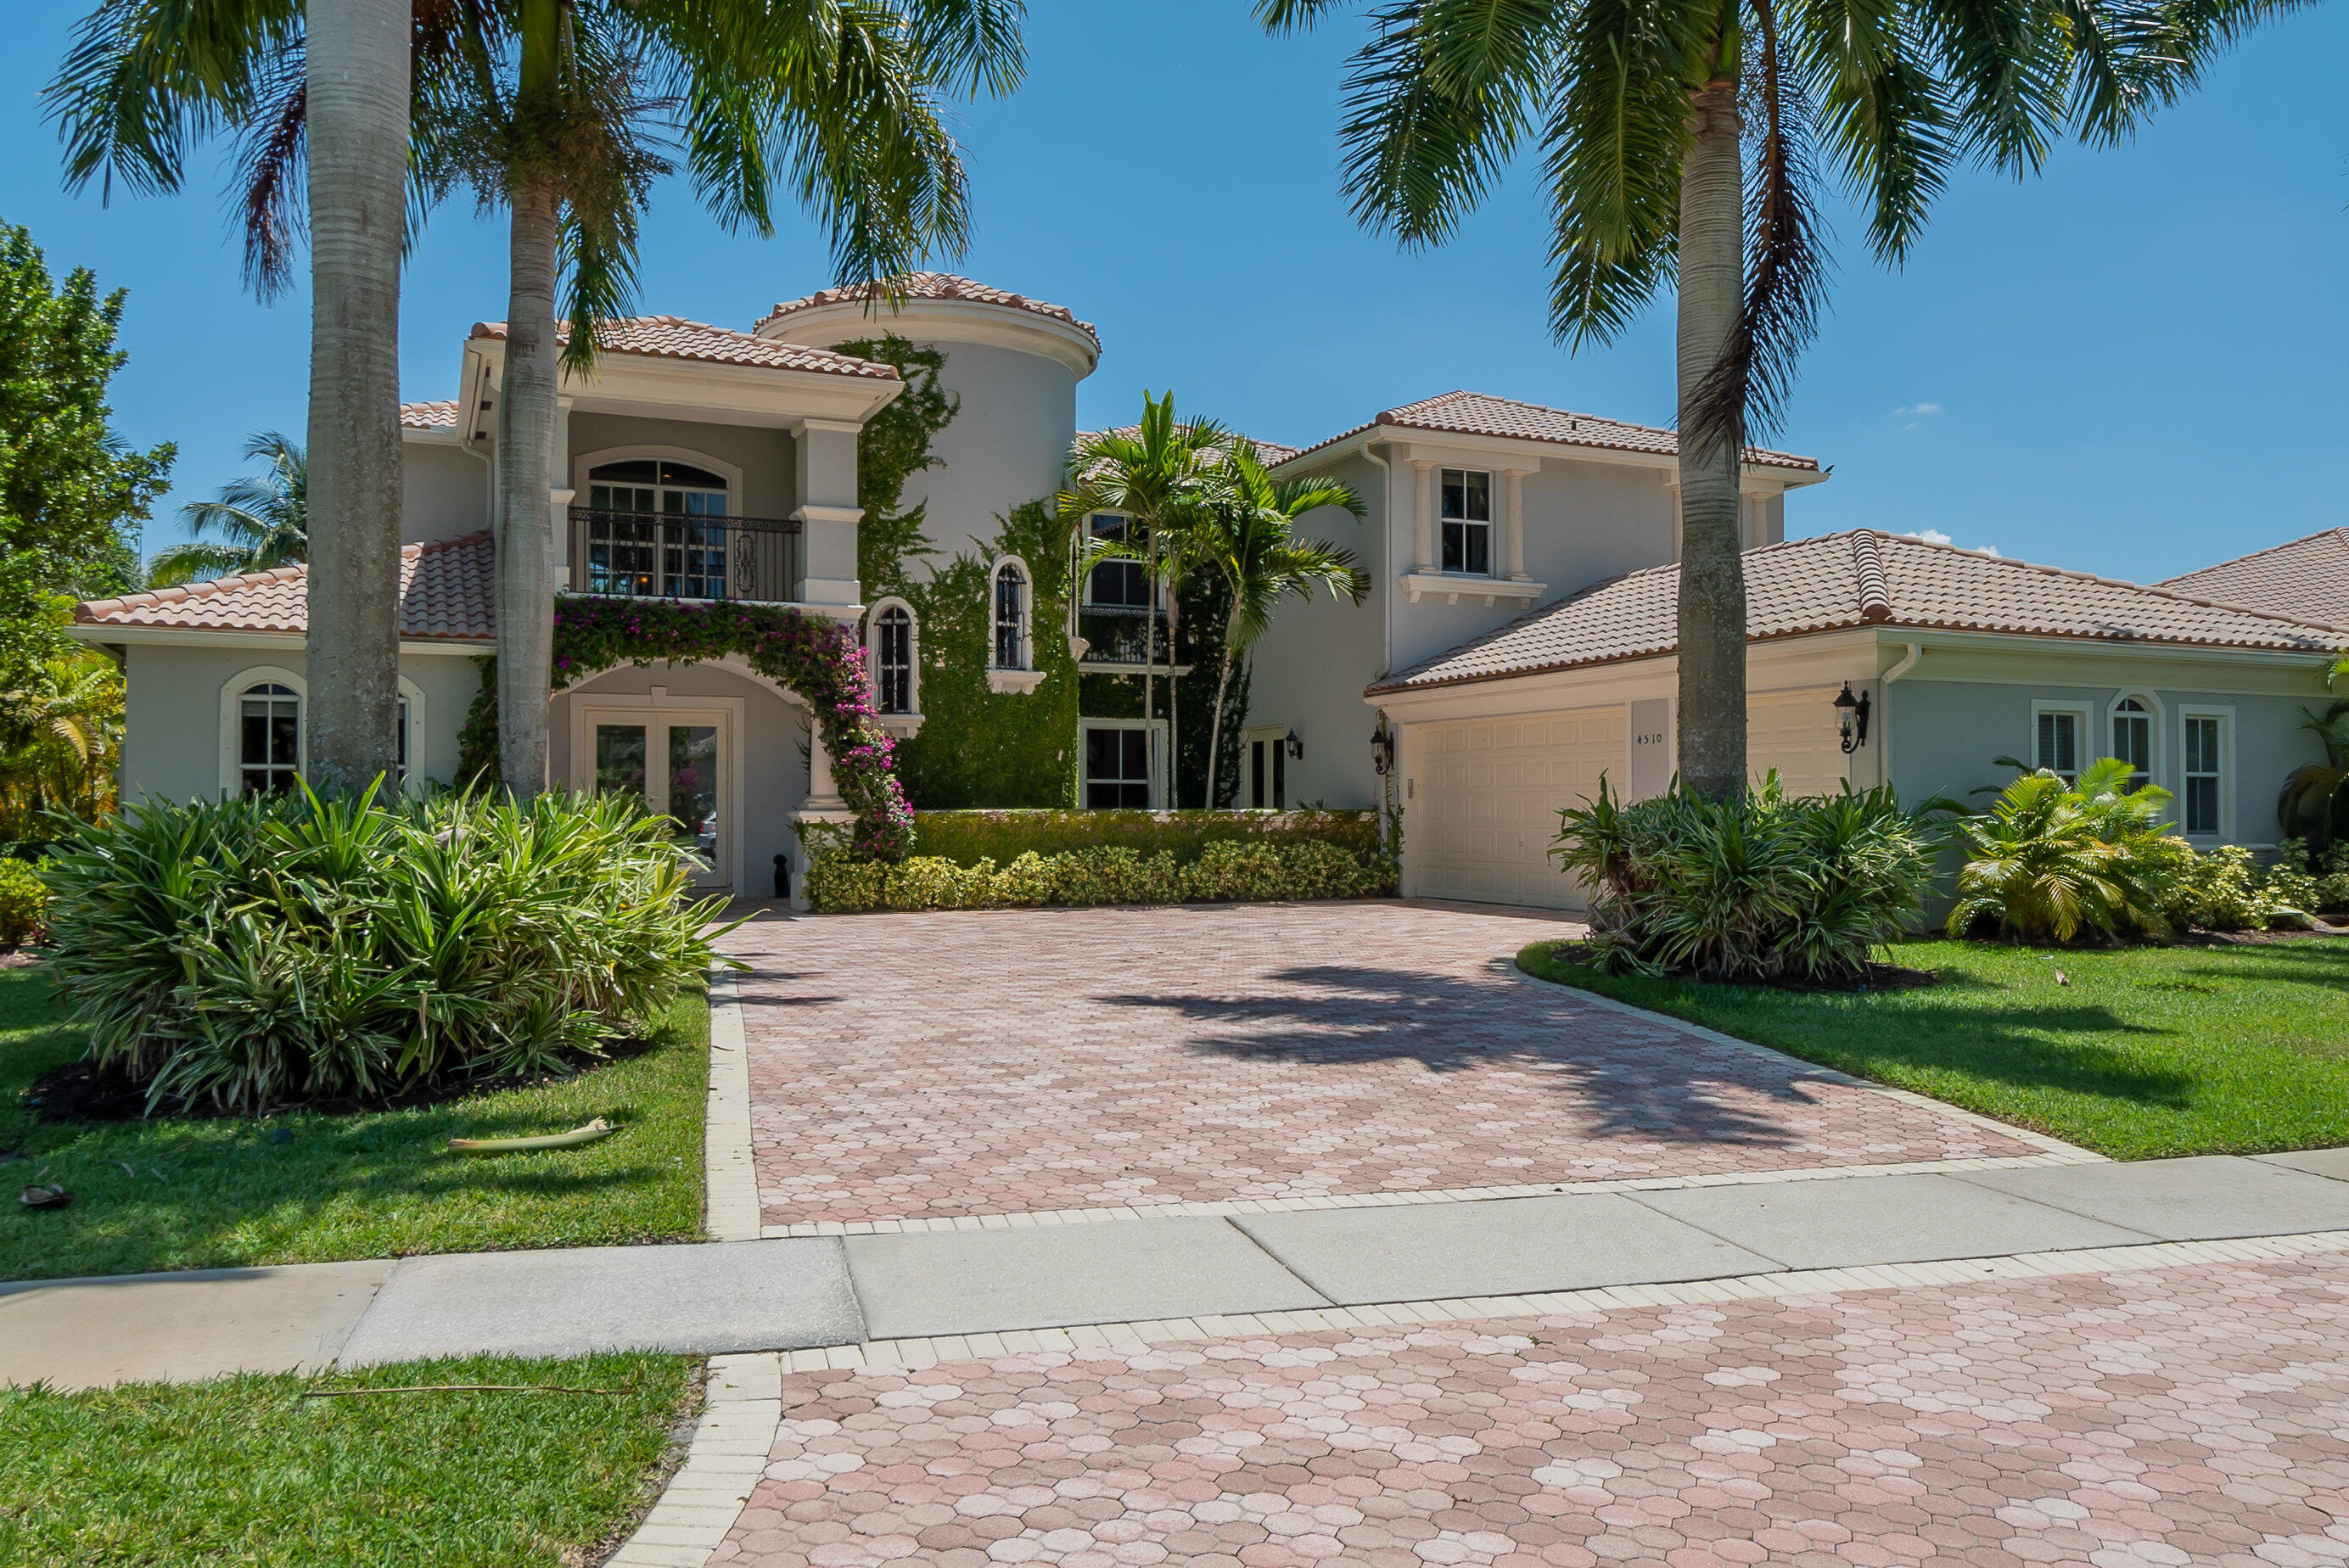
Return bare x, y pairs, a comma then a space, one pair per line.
823, 794
1422, 518
1515, 526
828, 513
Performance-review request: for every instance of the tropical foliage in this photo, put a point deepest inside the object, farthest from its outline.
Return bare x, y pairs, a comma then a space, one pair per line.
60, 742
252, 953
1759, 887
1653, 180
2050, 861
256, 523
24, 901
1223, 870
72, 493
2314, 802
2226, 889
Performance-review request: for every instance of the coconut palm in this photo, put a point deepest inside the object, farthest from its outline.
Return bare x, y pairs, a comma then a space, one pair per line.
1639, 109
557, 109
262, 522
1156, 475
1246, 537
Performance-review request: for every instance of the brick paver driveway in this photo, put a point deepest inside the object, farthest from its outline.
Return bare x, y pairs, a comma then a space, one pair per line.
2189, 1415
936, 1067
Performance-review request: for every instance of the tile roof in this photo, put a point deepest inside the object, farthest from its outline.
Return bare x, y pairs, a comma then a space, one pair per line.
2307, 579
434, 416
1479, 414
674, 337
1859, 579
447, 590
934, 286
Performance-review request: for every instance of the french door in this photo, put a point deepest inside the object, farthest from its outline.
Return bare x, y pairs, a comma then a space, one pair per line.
678, 762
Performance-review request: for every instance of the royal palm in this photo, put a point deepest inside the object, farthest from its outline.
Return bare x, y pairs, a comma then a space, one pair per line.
1637, 109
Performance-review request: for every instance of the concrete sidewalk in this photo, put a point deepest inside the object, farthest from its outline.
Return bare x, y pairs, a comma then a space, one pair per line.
807, 1293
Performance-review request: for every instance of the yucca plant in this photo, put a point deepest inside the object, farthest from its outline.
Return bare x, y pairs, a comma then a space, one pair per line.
1757, 887
2049, 861
251, 953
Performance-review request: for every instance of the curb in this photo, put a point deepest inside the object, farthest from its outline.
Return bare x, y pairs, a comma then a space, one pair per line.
730, 1202
728, 1455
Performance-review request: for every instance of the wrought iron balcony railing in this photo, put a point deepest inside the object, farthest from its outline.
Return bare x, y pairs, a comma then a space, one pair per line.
1117, 635
670, 555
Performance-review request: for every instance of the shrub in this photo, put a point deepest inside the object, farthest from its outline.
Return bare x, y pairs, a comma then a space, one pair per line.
254, 953
1111, 873
24, 901
1761, 887
2050, 861
2328, 871
2226, 889
967, 838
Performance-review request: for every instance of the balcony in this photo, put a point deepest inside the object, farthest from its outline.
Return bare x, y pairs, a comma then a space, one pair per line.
1122, 640
672, 555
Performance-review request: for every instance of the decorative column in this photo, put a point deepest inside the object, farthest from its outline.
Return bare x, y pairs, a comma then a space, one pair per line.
1517, 523
1424, 512
827, 513
824, 795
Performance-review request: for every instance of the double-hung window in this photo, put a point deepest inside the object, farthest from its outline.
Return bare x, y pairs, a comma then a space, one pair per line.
269, 740
1117, 767
1116, 583
2204, 774
2057, 746
1467, 519
2133, 740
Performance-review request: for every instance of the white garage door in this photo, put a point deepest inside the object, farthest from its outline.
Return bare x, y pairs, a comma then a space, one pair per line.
1794, 732
1489, 794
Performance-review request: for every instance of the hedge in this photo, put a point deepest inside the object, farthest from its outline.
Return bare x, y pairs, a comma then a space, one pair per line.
1223, 871
967, 838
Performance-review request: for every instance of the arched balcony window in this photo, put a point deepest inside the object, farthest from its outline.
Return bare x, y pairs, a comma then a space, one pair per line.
1011, 655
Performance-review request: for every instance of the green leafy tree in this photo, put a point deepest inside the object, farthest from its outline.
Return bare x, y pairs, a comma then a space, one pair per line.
1245, 539
1640, 110
262, 521
72, 494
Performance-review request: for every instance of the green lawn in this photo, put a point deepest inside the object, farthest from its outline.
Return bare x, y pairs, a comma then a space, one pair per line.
2147, 1052
183, 1194
246, 1471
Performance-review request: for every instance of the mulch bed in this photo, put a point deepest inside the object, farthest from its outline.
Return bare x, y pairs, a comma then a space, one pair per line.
85, 1092
1876, 977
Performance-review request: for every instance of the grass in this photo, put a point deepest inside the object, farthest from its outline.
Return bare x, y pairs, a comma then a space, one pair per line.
183, 1194
246, 1471
2147, 1052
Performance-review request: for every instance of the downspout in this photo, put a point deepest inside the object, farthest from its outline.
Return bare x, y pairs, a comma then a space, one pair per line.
1389, 817
1884, 693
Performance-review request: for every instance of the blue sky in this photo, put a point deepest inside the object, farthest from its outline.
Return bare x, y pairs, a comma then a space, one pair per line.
2130, 365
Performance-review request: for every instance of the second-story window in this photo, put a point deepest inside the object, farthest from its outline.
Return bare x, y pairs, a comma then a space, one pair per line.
1468, 521
647, 533
1116, 583
893, 660
1010, 617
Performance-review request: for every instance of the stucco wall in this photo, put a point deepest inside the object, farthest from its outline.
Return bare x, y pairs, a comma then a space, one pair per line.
171, 746
1008, 446
444, 491
764, 456
773, 771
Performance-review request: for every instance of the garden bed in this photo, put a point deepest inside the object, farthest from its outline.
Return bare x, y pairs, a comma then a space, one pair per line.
246, 1469
307, 1186
2135, 1052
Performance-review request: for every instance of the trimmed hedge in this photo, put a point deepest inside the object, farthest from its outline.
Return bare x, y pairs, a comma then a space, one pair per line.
967, 838
1223, 872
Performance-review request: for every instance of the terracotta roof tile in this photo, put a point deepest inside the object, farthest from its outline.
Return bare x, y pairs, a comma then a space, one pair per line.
674, 337
447, 590
1858, 579
934, 285
434, 416
1479, 414
2307, 579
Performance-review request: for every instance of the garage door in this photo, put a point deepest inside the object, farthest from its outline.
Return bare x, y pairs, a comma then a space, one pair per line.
1794, 731
1490, 792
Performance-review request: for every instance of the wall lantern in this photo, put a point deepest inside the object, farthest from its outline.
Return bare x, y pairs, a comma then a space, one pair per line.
1383, 748
1295, 747
1851, 718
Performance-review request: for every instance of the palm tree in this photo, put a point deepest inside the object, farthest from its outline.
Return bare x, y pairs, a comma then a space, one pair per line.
59, 736
263, 523
1639, 112
554, 108
1155, 474
1246, 535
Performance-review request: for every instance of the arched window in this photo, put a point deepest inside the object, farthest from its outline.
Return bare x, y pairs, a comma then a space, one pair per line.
2133, 738
891, 655
1010, 615
269, 739
646, 531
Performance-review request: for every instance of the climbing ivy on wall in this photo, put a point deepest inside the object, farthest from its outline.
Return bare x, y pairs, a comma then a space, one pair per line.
894, 448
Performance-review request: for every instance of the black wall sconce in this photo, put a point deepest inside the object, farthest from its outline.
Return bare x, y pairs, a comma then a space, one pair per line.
1851, 718
1295, 747
1383, 748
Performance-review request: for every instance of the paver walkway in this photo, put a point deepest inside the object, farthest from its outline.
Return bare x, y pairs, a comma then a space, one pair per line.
932, 1067
2164, 1417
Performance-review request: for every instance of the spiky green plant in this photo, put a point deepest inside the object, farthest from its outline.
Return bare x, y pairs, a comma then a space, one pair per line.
2050, 861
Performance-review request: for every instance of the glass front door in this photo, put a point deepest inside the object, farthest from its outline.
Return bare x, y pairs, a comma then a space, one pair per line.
674, 765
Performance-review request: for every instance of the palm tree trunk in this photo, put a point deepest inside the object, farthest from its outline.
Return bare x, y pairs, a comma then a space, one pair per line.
1174, 700
526, 419
1223, 684
1713, 578
356, 82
